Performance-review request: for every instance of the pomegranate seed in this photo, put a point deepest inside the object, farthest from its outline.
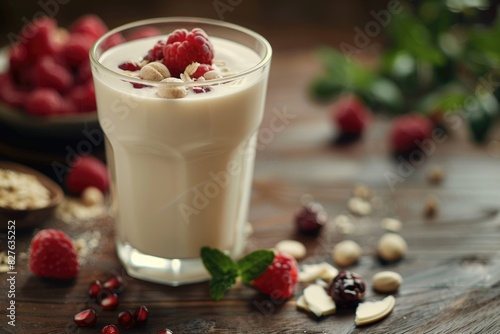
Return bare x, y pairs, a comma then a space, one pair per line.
129, 66
114, 283
199, 90
166, 331
126, 319
110, 302
110, 329
141, 315
85, 318
94, 289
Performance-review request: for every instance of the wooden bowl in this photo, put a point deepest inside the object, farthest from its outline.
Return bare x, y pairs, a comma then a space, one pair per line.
28, 218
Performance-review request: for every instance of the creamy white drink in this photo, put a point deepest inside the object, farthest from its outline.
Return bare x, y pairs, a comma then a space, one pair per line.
181, 168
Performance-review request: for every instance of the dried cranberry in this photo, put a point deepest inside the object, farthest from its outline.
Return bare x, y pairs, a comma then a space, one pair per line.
347, 289
311, 218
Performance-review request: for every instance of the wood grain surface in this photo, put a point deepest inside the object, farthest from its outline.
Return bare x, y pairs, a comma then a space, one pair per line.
451, 272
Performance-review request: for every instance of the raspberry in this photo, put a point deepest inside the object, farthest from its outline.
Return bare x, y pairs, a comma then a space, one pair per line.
407, 131
18, 57
129, 66
144, 33
83, 97
183, 48
44, 102
311, 219
53, 255
9, 94
201, 70
347, 289
84, 72
87, 172
48, 73
280, 278
156, 53
91, 25
38, 37
351, 115
76, 50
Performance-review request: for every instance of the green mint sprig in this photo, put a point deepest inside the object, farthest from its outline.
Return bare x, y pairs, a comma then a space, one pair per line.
224, 270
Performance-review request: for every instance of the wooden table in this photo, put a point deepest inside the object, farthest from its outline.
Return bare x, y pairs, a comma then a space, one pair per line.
451, 272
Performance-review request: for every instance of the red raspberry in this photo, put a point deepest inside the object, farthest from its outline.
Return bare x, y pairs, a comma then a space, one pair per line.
129, 66
201, 70
87, 171
76, 50
156, 53
39, 37
91, 25
144, 33
84, 72
407, 131
18, 57
48, 73
351, 115
83, 97
9, 94
280, 278
183, 48
53, 255
44, 102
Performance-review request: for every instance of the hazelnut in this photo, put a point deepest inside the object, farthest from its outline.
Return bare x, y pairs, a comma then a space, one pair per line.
154, 71
172, 92
346, 253
391, 247
435, 175
386, 281
431, 206
92, 196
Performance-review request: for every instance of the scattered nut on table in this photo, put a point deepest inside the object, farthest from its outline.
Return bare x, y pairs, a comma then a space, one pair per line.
435, 175
370, 312
431, 206
344, 224
323, 270
363, 192
346, 253
391, 224
359, 206
392, 247
318, 301
293, 248
386, 281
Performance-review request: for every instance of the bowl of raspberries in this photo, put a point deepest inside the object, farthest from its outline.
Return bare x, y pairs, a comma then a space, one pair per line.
46, 86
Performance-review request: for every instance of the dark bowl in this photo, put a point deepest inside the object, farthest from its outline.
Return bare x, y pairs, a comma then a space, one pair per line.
28, 218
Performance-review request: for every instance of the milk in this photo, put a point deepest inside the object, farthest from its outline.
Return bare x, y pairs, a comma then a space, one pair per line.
181, 168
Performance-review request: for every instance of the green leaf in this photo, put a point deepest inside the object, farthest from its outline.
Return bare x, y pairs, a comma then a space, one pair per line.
252, 265
216, 262
220, 284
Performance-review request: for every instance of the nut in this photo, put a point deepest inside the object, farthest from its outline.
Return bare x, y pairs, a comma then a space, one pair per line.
92, 196
344, 224
363, 192
369, 312
386, 281
154, 71
212, 75
323, 270
318, 301
294, 248
346, 253
359, 206
391, 224
172, 92
391, 247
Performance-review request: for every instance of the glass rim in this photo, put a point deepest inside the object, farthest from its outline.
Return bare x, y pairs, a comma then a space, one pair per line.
265, 59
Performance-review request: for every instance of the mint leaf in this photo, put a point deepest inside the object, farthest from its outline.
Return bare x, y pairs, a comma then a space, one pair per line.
220, 284
223, 270
216, 262
252, 265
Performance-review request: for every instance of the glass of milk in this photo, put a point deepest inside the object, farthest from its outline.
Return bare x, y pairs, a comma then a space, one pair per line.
181, 169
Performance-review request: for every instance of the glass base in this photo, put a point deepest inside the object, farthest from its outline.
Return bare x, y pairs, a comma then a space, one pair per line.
172, 272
